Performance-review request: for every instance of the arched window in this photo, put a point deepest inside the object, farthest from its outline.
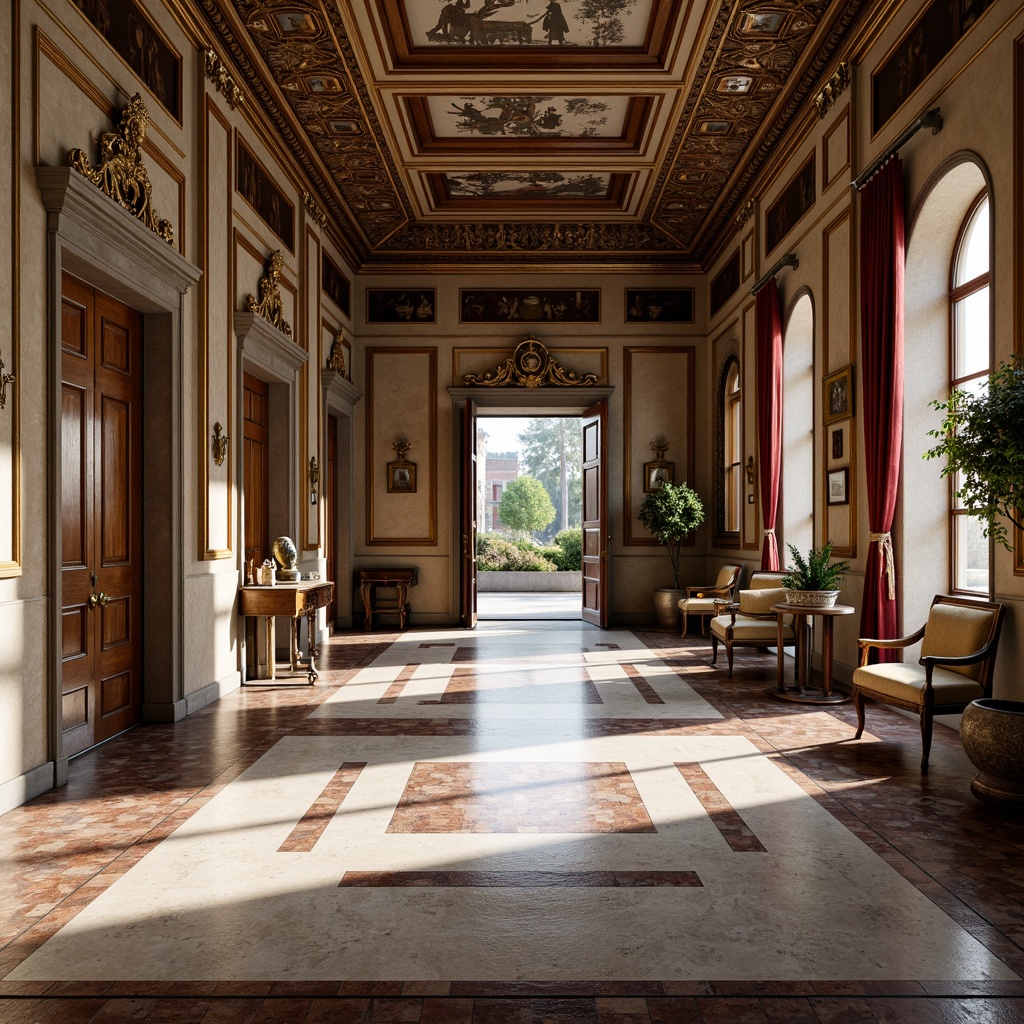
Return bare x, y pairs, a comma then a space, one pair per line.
731, 448
970, 364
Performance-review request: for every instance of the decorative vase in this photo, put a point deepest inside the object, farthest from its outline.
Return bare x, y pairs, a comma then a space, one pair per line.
992, 732
812, 598
666, 607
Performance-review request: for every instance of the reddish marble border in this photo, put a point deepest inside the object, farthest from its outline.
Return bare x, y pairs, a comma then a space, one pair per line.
736, 832
311, 825
394, 691
643, 687
520, 879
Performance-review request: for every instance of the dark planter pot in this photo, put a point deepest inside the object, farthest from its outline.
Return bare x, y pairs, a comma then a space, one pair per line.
666, 607
992, 732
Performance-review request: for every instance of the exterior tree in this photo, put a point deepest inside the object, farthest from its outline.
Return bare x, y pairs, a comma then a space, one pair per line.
552, 452
525, 506
982, 441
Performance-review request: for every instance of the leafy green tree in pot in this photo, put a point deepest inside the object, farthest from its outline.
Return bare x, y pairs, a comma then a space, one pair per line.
669, 514
525, 506
982, 441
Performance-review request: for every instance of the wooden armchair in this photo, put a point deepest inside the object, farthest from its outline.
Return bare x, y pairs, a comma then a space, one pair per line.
750, 622
957, 656
701, 600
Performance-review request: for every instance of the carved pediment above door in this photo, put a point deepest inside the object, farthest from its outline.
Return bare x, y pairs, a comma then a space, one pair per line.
530, 365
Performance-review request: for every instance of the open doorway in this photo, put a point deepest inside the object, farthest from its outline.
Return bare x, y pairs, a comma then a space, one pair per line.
529, 541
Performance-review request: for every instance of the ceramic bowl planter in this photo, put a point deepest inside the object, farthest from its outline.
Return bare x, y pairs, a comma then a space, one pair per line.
992, 732
813, 598
666, 607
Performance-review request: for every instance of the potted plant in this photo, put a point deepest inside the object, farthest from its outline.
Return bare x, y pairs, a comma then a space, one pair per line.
983, 445
669, 514
814, 581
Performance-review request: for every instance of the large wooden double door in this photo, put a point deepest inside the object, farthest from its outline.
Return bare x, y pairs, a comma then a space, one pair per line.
101, 506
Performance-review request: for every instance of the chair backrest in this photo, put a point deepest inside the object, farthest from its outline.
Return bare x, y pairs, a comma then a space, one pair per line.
958, 626
729, 576
752, 603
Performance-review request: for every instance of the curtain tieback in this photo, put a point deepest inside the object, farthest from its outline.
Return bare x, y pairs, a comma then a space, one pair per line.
885, 547
768, 533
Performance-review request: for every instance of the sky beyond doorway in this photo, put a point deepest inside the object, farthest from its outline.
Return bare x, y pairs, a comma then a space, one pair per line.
502, 431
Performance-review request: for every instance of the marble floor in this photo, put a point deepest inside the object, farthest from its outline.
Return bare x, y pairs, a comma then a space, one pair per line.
529, 822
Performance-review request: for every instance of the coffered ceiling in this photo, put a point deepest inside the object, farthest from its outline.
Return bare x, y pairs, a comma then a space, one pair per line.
488, 131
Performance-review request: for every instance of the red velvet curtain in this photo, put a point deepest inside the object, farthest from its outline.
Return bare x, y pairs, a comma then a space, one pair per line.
769, 414
881, 313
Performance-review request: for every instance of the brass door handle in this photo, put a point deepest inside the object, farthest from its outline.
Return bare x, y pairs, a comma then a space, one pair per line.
103, 599
93, 600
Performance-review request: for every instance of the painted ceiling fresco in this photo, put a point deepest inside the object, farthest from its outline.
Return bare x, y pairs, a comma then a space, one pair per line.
408, 123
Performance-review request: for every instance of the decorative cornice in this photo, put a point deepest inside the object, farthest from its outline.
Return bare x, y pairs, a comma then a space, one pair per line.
746, 212
121, 173
834, 88
217, 72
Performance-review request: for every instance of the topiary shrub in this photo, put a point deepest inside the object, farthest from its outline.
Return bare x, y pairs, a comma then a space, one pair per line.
570, 543
495, 554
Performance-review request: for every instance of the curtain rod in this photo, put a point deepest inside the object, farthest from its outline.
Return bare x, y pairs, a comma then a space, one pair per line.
933, 120
789, 260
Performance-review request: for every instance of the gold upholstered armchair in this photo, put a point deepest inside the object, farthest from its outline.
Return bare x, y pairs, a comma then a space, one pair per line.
750, 621
958, 652
701, 600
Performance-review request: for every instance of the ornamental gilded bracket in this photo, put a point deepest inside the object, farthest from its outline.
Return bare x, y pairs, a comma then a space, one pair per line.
269, 305
530, 366
121, 174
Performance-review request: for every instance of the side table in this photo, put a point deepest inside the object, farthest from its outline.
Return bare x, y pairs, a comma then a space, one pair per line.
803, 694
370, 580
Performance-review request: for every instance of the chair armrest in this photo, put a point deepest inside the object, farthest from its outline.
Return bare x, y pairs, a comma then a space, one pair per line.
865, 644
707, 591
931, 660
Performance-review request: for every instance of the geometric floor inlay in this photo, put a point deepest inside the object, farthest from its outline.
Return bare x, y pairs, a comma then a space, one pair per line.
522, 797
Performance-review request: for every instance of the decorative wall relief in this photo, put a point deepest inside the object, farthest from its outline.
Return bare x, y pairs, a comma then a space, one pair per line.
796, 199
725, 282
257, 188
530, 366
336, 359
121, 174
512, 304
269, 305
220, 444
138, 41
395, 306
5, 379
665, 306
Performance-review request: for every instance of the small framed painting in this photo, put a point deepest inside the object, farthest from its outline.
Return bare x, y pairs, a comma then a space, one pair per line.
394, 306
657, 474
838, 486
401, 477
837, 394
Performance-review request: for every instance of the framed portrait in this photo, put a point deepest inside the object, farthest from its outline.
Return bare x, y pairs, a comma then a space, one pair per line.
838, 443
837, 394
401, 477
667, 306
838, 486
657, 474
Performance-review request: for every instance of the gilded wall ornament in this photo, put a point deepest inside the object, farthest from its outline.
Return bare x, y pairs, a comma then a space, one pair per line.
746, 212
834, 88
5, 379
336, 360
314, 209
530, 366
269, 305
121, 174
220, 444
217, 72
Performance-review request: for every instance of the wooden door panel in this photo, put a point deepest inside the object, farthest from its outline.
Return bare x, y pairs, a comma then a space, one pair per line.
329, 492
595, 516
256, 467
101, 432
115, 508
468, 592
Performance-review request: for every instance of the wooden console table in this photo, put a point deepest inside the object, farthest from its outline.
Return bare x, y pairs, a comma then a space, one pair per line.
371, 580
294, 600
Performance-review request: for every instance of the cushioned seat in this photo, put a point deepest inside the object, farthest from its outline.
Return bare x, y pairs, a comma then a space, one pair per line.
958, 649
701, 600
750, 622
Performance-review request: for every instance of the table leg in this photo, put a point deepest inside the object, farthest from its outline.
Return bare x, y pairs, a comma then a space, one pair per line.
782, 657
295, 655
826, 655
366, 589
403, 609
314, 649
803, 658
271, 670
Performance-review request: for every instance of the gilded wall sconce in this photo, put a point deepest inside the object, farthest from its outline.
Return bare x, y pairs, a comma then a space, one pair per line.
220, 444
314, 480
5, 379
750, 469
